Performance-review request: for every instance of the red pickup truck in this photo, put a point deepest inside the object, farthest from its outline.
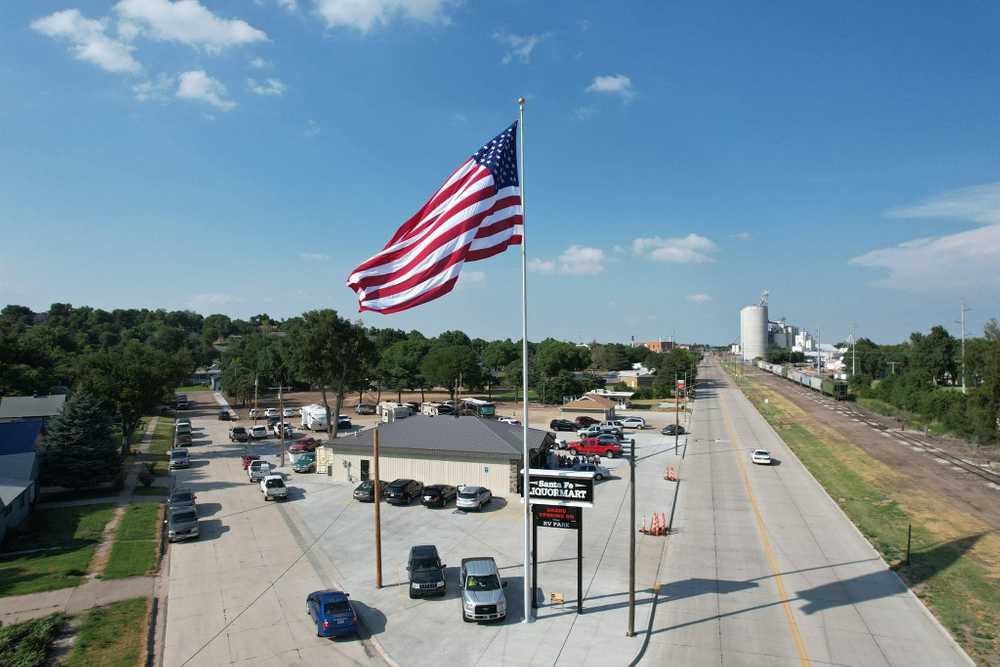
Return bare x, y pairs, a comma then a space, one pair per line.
594, 446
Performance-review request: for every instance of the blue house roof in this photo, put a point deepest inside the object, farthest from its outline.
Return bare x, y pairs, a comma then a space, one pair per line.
19, 437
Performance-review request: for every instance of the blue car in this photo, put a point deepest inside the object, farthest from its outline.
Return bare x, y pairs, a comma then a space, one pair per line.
332, 613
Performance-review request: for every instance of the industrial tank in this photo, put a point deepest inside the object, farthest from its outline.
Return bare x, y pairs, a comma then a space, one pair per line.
753, 332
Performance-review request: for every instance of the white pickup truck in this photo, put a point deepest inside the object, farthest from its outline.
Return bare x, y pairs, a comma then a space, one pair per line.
273, 487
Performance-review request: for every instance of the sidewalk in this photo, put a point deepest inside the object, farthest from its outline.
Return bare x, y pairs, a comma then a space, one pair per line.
17, 608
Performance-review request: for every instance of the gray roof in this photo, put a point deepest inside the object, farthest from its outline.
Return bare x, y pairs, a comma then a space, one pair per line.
10, 489
17, 473
447, 434
13, 407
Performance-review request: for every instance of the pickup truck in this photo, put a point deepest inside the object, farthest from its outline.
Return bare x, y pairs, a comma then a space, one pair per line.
273, 487
483, 598
258, 470
595, 446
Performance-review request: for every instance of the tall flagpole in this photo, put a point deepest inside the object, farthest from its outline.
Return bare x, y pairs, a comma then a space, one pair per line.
524, 382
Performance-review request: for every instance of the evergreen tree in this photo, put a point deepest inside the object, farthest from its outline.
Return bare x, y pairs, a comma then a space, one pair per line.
79, 448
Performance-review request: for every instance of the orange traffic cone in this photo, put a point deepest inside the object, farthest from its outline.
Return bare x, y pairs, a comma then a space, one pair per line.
654, 527
664, 523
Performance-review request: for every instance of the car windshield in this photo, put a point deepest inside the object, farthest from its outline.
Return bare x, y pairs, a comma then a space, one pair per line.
183, 517
307, 458
486, 583
181, 497
336, 607
425, 564
239, 429
178, 454
274, 484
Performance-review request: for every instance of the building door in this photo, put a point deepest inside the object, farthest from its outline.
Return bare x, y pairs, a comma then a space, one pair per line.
364, 469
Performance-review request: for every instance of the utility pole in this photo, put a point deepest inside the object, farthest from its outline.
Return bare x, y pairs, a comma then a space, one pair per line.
631, 545
377, 491
964, 311
854, 351
677, 414
819, 352
281, 422
255, 378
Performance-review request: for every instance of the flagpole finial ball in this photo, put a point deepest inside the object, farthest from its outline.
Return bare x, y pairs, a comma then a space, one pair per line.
520, 101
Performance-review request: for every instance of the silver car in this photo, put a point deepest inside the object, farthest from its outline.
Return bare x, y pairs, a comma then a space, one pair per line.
179, 459
473, 497
483, 598
182, 524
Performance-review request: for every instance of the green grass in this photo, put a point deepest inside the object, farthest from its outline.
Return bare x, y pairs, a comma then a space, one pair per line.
955, 586
73, 531
27, 644
133, 553
193, 387
159, 444
111, 636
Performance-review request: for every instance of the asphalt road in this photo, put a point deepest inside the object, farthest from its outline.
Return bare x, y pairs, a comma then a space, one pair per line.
764, 568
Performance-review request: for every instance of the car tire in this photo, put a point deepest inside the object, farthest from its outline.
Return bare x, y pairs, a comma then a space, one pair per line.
465, 618
599, 477
572, 452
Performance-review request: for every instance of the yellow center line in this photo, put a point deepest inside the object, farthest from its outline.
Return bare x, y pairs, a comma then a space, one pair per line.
772, 562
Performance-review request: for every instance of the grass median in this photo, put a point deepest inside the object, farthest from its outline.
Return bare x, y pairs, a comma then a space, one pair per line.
27, 644
160, 442
955, 559
112, 636
60, 543
133, 553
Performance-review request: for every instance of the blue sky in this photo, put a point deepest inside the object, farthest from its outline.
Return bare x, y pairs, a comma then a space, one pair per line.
242, 157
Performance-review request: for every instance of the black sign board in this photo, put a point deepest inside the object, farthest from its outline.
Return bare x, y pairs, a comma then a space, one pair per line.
557, 516
569, 488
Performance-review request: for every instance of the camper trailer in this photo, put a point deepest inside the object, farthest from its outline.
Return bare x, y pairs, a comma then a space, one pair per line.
314, 417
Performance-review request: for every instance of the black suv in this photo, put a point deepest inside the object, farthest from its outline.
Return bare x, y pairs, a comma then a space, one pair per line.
365, 491
562, 425
402, 491
437, 495
426, 572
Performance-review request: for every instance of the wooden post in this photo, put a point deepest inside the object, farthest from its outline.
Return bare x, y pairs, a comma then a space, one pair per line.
579, 565
377, 490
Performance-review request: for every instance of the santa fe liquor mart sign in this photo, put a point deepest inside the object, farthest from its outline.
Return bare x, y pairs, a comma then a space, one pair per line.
554, 487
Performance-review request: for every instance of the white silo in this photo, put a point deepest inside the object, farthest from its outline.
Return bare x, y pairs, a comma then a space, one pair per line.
753, 331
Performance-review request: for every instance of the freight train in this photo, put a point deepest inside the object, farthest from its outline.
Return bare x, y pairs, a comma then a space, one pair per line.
836, 389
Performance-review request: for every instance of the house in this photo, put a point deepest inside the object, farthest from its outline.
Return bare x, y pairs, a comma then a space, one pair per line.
437, 450
19, 441
31, 407
594, 404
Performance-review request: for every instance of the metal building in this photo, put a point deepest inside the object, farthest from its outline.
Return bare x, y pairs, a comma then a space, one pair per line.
753, 331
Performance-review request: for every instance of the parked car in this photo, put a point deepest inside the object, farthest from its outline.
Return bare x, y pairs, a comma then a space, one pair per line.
343, 423
181, 404
238, 434
613, 426
273, 487
248, 458
438, 495
252, 413
331, 613
277, 428
594, 446
761, 456
257, 432
672, 429
402, 491
258, 470
182, 440
600, 472
271, 412
225, 415
364, 409
562, 425
303, 445
583, 421
426, 571
179, 459
182, 420
591, 431
182, 524
182, 428
473, 497
305, 463
365, 491
288, 412
508, 420
180, 497
634, 422
483, 598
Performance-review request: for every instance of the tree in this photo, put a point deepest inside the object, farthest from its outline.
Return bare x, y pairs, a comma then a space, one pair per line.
496, 356
133, 378
400, 365
79, 450
215, 327
992, 330
935, 353
445, 364
613, 356
554, 356
562, 385
330, 353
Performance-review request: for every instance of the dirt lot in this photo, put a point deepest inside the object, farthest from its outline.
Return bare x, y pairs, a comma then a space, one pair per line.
919, 470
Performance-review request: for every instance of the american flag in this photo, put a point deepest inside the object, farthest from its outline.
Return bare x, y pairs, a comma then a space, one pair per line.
476, 214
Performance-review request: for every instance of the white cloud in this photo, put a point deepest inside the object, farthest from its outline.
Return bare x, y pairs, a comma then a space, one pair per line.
259, 63
89, 41
184, 21
363, 15
314, 256
612, 84
520, 46
966, 260
154, 90
266, 87
690, 249
584, 112
312, 129
213, 300
574, 261
290, 5
742, 236
199, 86
698, 298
